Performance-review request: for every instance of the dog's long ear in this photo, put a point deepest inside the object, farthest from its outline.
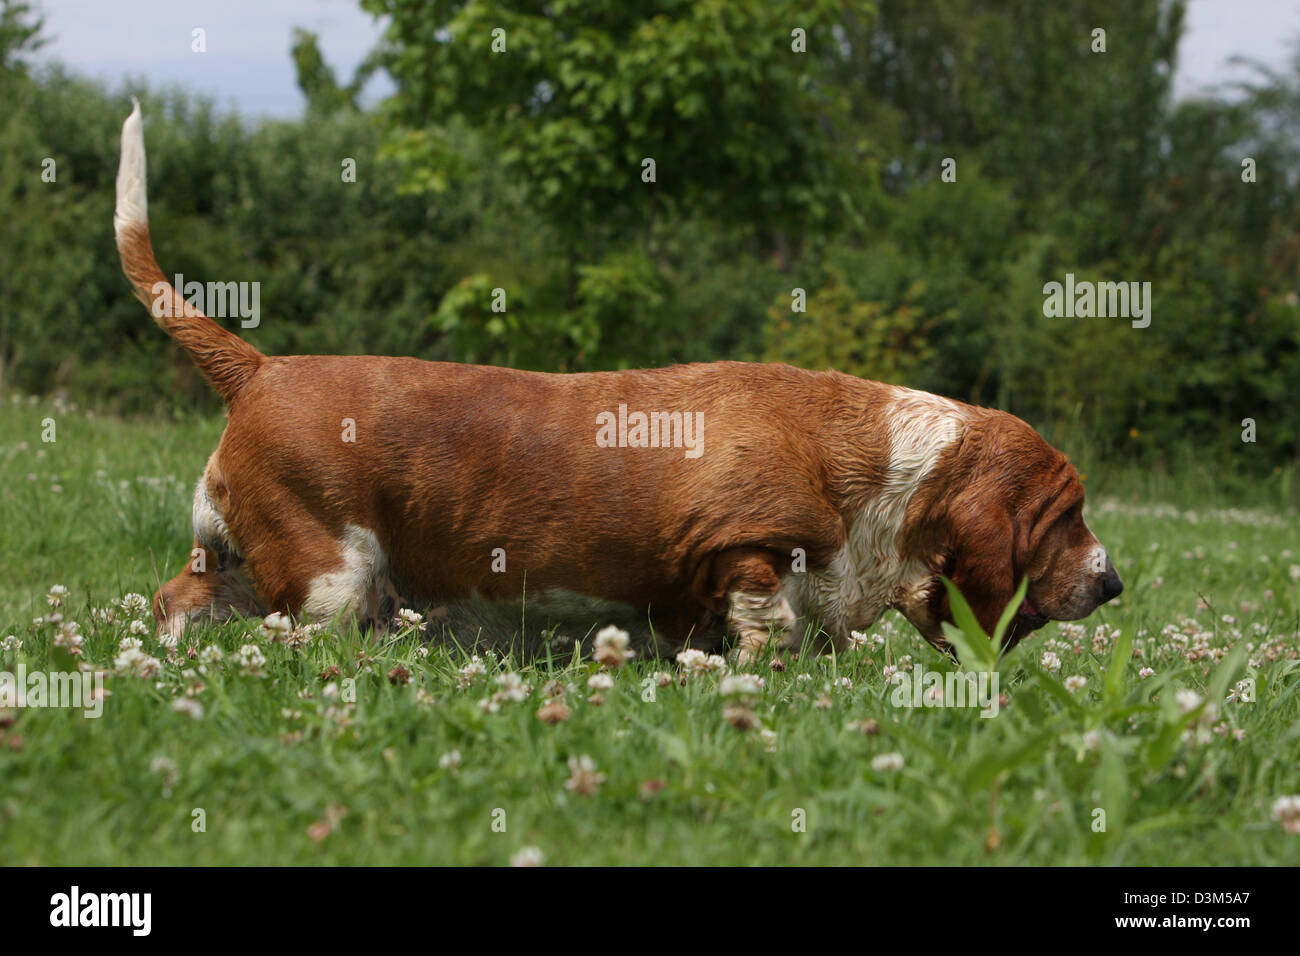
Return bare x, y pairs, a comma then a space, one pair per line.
1044, 506
981, 543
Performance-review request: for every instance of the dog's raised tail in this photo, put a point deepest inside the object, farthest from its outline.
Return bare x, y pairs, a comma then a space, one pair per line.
226, 359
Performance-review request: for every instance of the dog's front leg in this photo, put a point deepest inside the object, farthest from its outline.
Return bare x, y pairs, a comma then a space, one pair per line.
745, 583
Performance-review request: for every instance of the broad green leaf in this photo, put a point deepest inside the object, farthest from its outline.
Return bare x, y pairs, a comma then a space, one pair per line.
1120, 655
1227, 672
1057, 690
982, 771
980, 652
969, 651
962, 615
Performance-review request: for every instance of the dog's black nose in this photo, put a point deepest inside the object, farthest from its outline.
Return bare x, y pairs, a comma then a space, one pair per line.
1111, 586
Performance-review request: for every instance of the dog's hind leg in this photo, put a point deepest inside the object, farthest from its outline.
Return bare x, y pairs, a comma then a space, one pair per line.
318, 577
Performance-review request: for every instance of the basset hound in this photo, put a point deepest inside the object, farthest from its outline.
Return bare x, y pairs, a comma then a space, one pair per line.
768, 501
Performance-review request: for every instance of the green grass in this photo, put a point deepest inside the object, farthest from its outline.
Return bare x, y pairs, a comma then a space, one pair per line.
287, 778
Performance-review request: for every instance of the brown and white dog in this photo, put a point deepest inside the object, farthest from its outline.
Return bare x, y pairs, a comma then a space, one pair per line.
763, 496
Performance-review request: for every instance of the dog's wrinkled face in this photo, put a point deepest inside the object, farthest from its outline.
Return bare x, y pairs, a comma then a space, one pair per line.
1070, 573
1020, 515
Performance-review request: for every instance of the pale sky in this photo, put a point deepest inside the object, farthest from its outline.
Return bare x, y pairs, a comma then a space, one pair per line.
247, 64
1219, 29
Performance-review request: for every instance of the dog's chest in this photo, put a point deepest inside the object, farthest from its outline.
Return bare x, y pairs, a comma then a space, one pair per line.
869, 574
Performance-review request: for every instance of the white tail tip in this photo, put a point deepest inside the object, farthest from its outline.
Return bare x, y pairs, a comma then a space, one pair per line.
132, 200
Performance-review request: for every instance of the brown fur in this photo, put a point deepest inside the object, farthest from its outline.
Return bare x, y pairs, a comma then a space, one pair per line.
226, 359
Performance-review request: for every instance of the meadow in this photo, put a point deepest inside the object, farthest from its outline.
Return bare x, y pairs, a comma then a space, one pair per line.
1163, 730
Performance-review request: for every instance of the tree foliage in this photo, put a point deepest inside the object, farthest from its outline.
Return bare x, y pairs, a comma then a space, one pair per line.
515, 174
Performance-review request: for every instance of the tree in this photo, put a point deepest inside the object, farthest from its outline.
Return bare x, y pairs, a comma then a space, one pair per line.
317, 80
20, 29
576, 97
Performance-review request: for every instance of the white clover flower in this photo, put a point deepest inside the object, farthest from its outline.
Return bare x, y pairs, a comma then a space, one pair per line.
715, 663
697, 662
129, 643
1187, 700
471, 671
133, 604
1286, 811
211, 655
528, 856
251, 659
1146, 672
189, 707
739, 715
512, 687
276, 625
691, 659
56, 595
11, 643
135, 663
68, 636
1075, 683
1243, 691
611, 647
301, 636
887, 763
1050, 662
584, 778
139, 628
741, 685
450, 760
406, 617
166, 768
600, 681
1071, 632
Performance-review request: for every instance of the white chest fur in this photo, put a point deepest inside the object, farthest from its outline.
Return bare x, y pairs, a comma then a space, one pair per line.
868, 573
